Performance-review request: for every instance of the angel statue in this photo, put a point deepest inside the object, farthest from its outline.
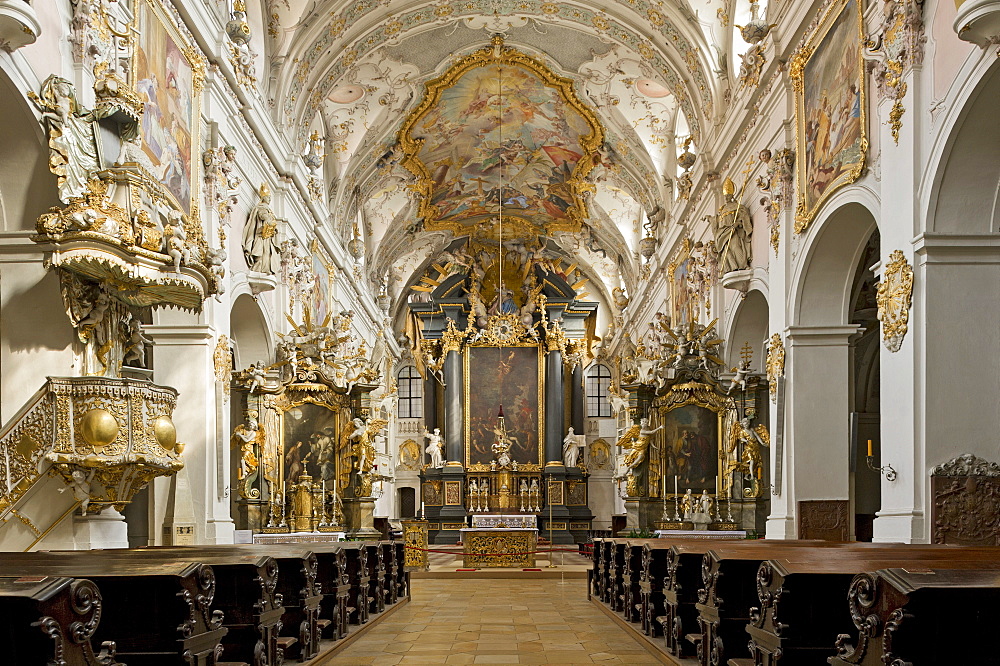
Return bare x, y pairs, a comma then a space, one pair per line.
364, 452
751, 459
637, 440
73, 153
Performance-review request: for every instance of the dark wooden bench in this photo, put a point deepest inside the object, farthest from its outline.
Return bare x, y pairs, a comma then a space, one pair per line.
389, 587
157, 612
913, 616
402, 575
654, 571
631, 577
358, 603
297, 585
48, 620
801, 612
376, 577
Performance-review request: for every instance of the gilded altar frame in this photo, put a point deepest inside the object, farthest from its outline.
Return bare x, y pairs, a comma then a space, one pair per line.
810, 71
681, 395
466, 400
156, 29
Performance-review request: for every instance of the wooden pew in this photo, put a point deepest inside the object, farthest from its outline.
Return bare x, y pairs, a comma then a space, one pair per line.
356, 555
597, 573
654, 571
402, 575
801, 611
246, 593
910, 617
391, 590
157, 612
631, 578
48, 620
376, 577
297, 585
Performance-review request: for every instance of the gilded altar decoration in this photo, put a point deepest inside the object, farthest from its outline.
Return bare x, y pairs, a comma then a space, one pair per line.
248, 442
499, 548
358, 437
693, 350
106, 438
775, 364
894, 49
894, 297
529, 116
598, 455
636, 441
409, 455
317, 356
745, 456
830, 108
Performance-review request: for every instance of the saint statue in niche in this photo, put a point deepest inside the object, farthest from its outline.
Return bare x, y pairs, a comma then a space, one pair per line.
260, 236
733, 228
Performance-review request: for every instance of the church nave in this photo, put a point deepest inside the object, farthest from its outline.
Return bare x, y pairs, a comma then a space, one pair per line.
495, 621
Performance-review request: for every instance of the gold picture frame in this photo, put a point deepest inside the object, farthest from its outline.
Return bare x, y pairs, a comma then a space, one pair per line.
828, 77
168, 74
453, 493
540, 398
334, 408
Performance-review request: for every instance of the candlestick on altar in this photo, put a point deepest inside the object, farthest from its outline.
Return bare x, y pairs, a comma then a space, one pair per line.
677, 501
718, 515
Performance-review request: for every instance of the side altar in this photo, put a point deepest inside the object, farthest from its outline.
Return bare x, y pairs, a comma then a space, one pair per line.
499, 364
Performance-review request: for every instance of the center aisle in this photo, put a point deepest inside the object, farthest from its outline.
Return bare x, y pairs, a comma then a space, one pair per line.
496, 621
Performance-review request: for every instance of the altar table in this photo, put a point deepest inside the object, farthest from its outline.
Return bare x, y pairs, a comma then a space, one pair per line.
499, 547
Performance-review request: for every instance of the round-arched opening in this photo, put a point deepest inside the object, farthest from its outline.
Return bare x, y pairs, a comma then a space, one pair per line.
248, 329
749, 328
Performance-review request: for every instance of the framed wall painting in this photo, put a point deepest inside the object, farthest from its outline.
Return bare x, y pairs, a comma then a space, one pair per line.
324, 274
828, 76
168, 75
691, 443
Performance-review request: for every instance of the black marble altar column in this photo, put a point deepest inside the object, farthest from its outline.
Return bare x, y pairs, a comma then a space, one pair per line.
453, 407
577, 399
554, 412
430, 403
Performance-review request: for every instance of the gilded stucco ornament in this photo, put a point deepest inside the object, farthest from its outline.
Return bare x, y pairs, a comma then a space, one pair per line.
775, 364
222, 359
776, 186
894, 297
892, 51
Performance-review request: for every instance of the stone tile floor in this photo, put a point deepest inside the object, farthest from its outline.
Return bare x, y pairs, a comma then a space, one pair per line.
496, 621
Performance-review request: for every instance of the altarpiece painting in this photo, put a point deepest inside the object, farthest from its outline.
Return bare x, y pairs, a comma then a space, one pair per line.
508, 376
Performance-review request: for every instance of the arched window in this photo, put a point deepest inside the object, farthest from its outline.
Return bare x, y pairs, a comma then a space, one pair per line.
411, 393
598, 382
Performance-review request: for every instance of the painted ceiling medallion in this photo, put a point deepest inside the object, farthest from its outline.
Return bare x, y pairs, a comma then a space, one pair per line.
894, 297
501, 112
651, 88
347, 94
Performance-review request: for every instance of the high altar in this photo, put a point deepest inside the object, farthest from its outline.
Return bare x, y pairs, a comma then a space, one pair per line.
501, 382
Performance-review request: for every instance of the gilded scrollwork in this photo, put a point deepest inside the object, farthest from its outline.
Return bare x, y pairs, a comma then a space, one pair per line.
222, 359
890, 52
775, 364
894, 298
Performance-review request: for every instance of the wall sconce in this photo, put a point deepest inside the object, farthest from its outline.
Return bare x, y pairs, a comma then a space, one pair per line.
886, 470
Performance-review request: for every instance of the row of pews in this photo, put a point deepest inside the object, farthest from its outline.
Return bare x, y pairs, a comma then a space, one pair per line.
236, 605
718, 602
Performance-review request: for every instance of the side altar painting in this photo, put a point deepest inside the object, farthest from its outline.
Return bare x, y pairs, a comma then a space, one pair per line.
309, 443
514, 381
691, 451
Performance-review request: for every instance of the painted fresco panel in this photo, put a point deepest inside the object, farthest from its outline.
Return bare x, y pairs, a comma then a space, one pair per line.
832, 110
507, 376
165, 82
509, 121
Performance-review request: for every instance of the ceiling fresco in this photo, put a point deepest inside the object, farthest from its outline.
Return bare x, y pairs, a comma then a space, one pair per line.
499, 130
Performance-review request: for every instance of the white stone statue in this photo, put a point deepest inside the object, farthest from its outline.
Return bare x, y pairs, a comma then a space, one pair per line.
571, 447
733, 228
175, 240
740, 378
260, 236
705, 503
72, 144
435, 447
687, 502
